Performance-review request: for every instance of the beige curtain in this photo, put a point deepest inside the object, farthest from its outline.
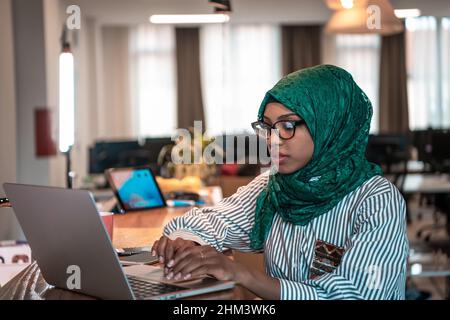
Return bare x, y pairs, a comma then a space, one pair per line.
393, 85
103, 101
115, 114
301, 47
189, 90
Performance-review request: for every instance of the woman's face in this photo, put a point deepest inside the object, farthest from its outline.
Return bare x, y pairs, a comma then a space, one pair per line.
294, 153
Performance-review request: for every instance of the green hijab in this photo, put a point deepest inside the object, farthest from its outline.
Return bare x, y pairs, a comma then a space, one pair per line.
337, 114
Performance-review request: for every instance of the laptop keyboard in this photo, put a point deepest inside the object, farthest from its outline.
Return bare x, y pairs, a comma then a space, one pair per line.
144, 289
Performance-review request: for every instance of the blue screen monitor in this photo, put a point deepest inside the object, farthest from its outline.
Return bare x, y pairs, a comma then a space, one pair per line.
135, 188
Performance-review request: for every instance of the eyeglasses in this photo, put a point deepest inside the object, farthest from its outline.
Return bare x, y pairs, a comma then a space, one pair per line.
285, 129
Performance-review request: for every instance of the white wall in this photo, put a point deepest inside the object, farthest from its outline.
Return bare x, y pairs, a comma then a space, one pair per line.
8, 223
89, 100
102, 98
54, 16
438, 8
30, 46
7, 97
31, 91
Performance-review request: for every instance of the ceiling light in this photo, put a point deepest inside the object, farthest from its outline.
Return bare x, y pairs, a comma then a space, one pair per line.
188, 18
221, 4
347, 4
359, 19
407, 13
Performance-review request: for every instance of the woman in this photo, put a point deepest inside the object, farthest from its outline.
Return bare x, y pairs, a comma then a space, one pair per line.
330, 226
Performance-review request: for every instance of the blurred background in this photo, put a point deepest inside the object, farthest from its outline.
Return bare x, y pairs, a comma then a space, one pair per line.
88, 85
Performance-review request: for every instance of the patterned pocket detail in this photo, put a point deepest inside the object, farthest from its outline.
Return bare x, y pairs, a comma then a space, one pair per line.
327, 258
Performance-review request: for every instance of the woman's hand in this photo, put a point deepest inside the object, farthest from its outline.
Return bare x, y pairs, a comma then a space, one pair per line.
204, 260
186, 259
166, 248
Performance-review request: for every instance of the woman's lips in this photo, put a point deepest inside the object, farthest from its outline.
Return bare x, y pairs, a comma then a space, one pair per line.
280, 158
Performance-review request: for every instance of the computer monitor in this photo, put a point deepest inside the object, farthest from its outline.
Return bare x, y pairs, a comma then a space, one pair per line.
118, 154
439, 150
432, 148
153, 147
115, 154
421, 140
388, 149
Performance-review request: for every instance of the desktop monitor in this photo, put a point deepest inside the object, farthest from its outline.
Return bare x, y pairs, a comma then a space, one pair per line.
114, 154
387, 149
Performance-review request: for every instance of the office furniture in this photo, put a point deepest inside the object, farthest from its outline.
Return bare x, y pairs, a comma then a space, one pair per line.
433, 186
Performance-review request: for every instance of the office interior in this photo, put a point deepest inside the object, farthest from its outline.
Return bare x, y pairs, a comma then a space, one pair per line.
88, 85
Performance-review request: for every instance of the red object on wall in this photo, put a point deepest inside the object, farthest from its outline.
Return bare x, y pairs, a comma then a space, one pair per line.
45, 145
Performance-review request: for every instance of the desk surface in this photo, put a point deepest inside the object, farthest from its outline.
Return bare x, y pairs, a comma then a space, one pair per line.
130, 230
425, 183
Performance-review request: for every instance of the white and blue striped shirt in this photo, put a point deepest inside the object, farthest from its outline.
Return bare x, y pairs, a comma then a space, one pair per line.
368, 225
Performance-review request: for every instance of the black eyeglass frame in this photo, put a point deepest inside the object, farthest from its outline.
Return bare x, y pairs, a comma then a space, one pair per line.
269, 127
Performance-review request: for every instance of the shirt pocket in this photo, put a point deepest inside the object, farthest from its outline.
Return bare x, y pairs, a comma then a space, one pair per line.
327, 257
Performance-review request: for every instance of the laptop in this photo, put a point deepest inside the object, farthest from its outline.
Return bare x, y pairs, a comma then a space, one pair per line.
68, 238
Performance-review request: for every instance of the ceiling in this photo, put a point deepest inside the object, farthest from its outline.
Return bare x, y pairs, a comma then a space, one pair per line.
244, 11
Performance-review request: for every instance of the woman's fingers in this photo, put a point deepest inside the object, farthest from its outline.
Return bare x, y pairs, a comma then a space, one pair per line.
182, 254
190, 258
155, 247
194, 250
185, 267
197, 272
166, 249
213, 269
216, 267
177, 245
162, 248
169, 251
183, 258
177, 248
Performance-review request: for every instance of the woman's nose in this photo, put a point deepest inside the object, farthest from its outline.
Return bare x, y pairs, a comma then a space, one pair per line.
274, 139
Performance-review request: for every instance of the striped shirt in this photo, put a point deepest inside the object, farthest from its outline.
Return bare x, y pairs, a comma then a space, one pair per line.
368, 225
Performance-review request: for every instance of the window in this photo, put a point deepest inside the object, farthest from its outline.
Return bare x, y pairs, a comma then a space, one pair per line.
154, 79
239, 63
445, 36
428, 65
360, 55
422, 67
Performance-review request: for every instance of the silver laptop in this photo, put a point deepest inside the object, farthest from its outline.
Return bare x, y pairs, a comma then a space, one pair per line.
67, 238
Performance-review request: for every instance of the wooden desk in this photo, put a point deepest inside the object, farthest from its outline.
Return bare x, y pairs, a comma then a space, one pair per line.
130, 230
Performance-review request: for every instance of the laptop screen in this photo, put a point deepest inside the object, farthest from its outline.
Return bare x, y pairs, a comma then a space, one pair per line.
136, 189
